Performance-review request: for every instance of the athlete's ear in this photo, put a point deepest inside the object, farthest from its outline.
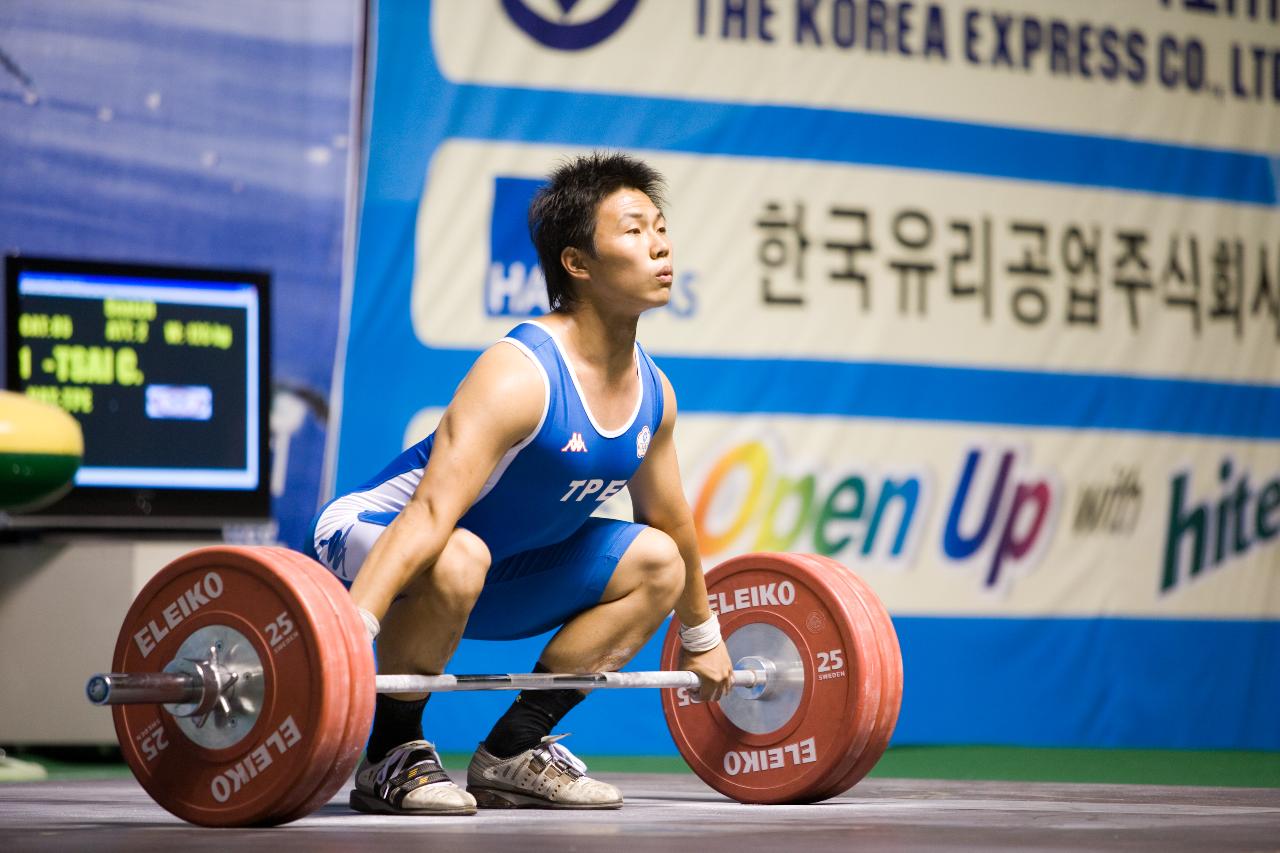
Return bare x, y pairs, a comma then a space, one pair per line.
574, 262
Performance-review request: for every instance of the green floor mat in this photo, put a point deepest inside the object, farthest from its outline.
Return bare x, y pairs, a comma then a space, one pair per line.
1236, 769
1005, 763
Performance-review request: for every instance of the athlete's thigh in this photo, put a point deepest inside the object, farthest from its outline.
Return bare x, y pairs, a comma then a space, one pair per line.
534, 591
343, 539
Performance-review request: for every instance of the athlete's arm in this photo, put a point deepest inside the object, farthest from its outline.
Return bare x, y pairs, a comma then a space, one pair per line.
496, 407
657, 498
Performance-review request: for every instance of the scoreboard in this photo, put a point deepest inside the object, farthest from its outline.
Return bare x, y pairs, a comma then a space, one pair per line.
163, 370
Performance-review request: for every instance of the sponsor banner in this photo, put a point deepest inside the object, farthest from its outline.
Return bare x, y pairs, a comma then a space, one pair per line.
998, 333
844, 262
1206, 73
945, 519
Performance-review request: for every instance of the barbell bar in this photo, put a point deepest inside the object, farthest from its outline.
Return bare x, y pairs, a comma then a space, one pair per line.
132, 688
244, 684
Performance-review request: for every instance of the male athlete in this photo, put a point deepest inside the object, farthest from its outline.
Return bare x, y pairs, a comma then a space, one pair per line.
485, 528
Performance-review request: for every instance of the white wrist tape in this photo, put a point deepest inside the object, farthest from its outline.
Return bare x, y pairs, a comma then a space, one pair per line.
370, 623
701, 638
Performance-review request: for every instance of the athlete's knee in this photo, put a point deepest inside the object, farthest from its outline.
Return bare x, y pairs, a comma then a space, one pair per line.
661, 566
458, 576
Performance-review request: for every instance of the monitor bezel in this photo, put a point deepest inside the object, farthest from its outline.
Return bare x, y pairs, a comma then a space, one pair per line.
134, 508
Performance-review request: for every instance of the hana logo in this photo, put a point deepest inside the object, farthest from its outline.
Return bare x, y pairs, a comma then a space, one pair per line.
513, 284
575, 27
642, 442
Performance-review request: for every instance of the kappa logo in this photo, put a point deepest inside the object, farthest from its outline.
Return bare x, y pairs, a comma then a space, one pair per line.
642, 442
569, 31
575, 444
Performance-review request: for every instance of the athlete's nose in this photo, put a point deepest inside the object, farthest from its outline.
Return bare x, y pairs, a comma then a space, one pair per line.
661, 246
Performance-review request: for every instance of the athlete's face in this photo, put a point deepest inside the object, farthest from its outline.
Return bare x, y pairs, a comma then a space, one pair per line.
632, 262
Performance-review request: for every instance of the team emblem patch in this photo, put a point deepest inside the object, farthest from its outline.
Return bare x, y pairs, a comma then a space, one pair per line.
642, 443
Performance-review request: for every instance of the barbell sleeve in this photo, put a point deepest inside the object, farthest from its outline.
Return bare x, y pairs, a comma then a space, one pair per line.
138, 688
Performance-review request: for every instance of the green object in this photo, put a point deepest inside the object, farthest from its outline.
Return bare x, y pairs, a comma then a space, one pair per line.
40, 449
1223, 768
27, 479
1217, 768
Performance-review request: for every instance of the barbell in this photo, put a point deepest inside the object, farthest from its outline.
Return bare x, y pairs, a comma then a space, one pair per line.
243, 684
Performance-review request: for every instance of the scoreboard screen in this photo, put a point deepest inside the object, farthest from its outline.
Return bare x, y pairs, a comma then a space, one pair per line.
164, 368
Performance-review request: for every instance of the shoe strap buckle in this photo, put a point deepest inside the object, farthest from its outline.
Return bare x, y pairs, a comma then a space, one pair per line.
565, 760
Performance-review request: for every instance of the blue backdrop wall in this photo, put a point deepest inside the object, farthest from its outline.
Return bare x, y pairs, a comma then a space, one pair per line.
198, 135
1021, 266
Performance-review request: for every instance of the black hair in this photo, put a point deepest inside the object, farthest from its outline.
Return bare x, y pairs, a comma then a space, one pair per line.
563, 211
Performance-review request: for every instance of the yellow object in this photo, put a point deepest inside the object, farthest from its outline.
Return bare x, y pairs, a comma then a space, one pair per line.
40, 450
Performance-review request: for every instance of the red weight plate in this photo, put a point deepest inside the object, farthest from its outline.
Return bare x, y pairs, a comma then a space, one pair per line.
869, 696
892, 697
800, 758
891, 672
296, 638
868, 609
362, 693
878, 700
307, 710
317, 780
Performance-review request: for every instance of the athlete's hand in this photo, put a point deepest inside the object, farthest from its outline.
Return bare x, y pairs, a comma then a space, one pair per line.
714, 670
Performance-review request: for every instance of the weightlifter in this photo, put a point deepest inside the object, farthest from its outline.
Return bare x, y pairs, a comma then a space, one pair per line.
485, 529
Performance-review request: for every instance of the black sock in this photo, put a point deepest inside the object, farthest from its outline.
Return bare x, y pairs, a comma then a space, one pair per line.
395, 721
530, 718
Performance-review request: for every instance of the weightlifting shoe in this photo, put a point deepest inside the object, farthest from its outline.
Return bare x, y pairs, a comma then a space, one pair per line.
548, 776
409, 781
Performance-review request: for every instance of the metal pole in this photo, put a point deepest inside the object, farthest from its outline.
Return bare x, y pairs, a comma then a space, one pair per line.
550, 681
125, 688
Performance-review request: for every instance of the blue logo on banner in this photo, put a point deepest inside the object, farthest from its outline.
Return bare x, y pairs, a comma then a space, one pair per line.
567, 34
513, 285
